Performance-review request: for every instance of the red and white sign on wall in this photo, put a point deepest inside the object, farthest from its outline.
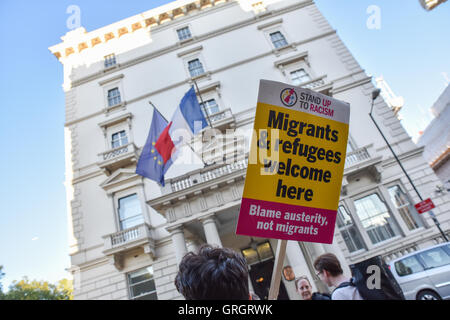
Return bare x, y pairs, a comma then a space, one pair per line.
424, 206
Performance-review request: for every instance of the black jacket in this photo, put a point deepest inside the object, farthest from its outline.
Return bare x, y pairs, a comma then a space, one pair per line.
320, 296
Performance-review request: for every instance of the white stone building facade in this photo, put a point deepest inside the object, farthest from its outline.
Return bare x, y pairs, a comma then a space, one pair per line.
127, 234
436, 140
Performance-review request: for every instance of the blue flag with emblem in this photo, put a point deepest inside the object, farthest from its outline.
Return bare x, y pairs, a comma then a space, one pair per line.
151, 164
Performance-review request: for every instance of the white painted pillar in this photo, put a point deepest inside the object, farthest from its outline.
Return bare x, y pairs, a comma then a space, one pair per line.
317, 249
210, 228
178, 241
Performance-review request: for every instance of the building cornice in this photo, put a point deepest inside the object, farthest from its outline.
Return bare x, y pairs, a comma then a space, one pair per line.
441, 159
351, 85
199, 39
78, 40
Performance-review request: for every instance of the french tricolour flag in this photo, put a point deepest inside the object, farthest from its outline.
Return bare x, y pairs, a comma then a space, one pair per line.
187, 120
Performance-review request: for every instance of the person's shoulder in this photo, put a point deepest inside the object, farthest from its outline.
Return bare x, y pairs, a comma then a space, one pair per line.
342, 293
346, 293
338, 294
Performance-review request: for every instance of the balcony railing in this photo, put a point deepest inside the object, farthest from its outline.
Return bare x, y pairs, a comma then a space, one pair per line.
400, 252
356, 156
315, 83
123, 239
116, 244
118, 157
214, 172
224, 114
222, 171
125, 236
204, 175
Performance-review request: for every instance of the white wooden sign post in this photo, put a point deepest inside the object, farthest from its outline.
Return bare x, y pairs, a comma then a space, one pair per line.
276, 274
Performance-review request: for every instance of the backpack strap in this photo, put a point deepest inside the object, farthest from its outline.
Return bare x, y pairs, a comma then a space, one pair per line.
342, 285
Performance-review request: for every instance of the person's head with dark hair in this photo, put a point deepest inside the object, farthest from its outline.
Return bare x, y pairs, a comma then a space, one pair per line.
329, 268
213, 274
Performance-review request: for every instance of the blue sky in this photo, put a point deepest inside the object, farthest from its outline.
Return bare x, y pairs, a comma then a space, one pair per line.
410, 51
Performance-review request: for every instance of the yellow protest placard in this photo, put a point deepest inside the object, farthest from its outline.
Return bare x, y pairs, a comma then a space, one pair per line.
296, 165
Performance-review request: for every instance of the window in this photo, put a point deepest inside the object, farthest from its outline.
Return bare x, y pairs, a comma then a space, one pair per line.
184, 33
113, 97
408, 266
130, 214
406, 210
110, 60
299, 76
258, 253
195, 68
210, 106
142, 285
375, 218
434, 258
348, 230
119, 139
278, 40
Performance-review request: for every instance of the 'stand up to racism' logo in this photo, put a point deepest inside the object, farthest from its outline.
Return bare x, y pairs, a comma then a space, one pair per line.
288, 97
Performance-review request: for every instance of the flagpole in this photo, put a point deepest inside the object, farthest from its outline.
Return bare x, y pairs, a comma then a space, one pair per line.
204, 163
203, 104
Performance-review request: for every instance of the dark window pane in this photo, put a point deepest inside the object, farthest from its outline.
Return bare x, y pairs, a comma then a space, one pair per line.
119, 139
184, 33
278, 39
300, 76
141, 275
110, 60
250, 255
265, 251
113, 97
404, 208
210, 106
151, 296
195, 68
408, 266
142, 285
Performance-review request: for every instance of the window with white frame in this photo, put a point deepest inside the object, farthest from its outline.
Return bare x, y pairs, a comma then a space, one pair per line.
113, 97
404, 208
348, 230
210, 106
299, 76
195, 68
119, 139
130, 212
110, 60
278, 39
141, 284
375, 218
184, 33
